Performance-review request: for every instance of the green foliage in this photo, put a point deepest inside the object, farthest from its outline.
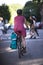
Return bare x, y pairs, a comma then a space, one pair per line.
9, 11
38, 1
31, 8
13, 8
4, 12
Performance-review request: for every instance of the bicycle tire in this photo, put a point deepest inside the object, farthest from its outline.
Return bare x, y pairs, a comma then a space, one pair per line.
20, 53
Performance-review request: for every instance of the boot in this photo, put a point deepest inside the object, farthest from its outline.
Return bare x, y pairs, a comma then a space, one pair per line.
24, 49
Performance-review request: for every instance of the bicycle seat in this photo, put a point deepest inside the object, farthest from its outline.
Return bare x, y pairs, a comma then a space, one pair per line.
18, 33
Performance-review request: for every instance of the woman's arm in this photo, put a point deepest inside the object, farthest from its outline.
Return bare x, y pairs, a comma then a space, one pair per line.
27, 23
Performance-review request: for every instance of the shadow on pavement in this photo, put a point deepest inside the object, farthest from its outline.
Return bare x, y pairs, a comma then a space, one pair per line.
11, 58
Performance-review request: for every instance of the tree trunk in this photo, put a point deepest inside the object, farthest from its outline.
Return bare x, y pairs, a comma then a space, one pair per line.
41, 12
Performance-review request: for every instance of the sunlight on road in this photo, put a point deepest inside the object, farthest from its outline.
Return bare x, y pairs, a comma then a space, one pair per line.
32, 62
8, 49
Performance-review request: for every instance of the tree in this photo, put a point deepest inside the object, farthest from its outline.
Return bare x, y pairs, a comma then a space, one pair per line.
4, 12
41, 12
37, 1
40, 4
31, 8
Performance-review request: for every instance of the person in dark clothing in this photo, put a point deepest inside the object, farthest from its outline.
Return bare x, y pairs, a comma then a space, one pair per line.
36, 31
33, 24
35, 28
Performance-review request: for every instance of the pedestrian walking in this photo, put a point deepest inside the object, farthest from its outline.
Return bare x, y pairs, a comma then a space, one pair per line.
33, 27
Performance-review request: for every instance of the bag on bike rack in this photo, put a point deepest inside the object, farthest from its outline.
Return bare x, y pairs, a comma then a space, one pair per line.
13, 44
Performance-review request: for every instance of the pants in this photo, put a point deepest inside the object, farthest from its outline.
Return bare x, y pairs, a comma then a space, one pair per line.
36, 31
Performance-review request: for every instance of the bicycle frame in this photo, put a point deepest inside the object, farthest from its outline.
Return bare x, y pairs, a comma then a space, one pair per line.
19, 45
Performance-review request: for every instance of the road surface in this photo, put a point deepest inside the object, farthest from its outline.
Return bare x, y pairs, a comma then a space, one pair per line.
34, 55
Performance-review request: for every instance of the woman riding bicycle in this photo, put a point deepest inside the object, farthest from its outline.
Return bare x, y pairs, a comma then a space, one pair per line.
19, 22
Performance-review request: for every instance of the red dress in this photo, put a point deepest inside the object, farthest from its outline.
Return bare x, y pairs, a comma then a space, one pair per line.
19, 25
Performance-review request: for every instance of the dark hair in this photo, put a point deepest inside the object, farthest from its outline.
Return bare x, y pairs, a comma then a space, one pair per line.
19, 12
34, 18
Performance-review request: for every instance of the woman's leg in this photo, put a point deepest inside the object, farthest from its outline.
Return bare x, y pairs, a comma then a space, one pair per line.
36, 32
24, 44
23, 41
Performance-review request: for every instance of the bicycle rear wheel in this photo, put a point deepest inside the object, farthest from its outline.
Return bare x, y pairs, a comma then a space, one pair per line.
20, 53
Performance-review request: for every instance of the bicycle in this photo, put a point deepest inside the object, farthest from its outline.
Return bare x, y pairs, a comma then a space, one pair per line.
19, 44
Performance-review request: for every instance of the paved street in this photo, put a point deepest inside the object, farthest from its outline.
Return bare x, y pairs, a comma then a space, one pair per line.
34, 55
